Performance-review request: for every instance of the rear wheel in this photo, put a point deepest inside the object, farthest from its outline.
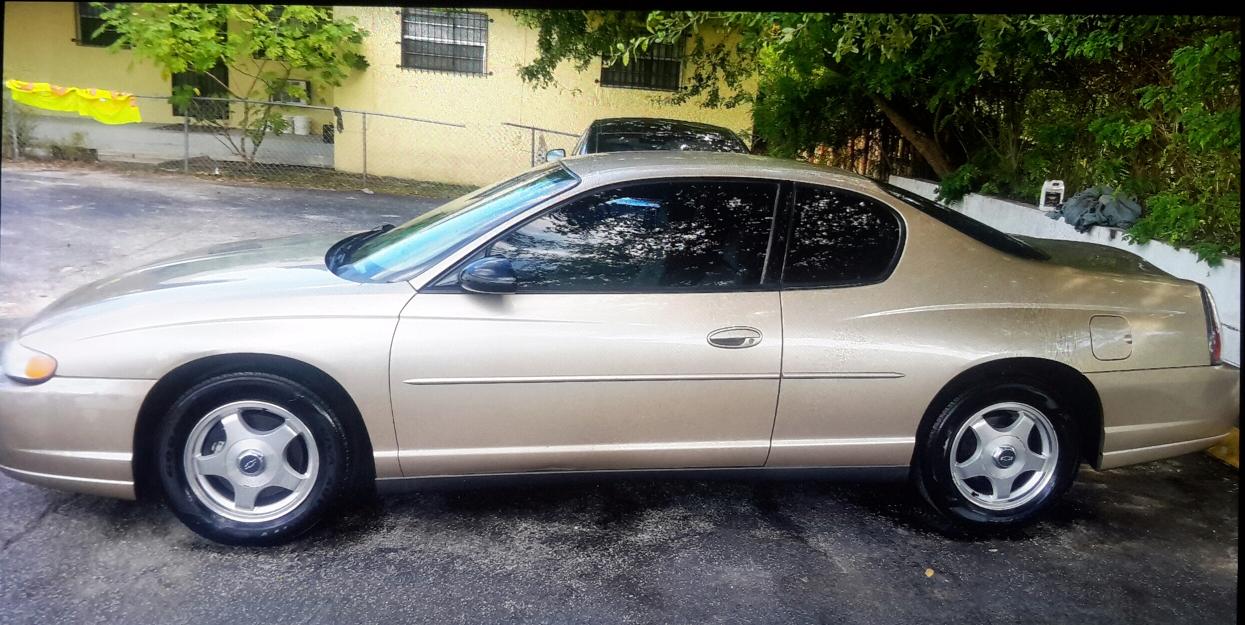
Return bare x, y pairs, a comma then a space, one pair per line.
998, 455
252, 458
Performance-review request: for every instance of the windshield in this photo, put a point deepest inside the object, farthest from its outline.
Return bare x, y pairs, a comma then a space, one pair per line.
416, 245
996, 239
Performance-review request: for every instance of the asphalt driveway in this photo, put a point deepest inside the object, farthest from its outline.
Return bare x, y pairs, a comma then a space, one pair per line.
1155, 543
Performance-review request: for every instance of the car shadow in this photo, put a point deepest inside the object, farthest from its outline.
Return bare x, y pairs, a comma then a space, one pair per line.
615, 508
1113, 506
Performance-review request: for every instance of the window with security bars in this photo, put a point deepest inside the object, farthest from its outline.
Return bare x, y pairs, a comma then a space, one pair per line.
444, 41
658, 69
89, 21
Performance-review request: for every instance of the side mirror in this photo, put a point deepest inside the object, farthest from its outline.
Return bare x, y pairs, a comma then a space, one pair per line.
555, 155
490, 275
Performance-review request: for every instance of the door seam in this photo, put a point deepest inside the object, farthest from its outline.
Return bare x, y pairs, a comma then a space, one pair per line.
393, 413
782, 347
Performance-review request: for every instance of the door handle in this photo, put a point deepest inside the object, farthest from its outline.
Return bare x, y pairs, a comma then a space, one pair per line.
735, 337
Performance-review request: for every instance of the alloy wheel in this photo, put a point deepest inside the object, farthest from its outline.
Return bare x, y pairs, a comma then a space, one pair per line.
251, 461
1004, 455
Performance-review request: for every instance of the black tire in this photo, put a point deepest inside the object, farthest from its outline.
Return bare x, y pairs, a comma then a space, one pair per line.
332, 445
932, 469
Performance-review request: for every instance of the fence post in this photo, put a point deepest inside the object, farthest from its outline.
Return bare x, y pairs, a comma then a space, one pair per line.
17, 148
364, 148
186, 144
533, 159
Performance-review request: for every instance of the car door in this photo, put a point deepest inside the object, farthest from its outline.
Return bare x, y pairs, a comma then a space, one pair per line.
847, 399
643, 334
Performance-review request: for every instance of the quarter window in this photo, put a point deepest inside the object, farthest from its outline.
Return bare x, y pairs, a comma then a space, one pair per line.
668, 236
446, 41
658, 69
840, 239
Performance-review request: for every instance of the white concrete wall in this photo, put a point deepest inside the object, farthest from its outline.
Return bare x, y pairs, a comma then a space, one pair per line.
1224, 281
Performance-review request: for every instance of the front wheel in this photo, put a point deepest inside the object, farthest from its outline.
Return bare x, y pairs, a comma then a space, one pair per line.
998, 455
251, 458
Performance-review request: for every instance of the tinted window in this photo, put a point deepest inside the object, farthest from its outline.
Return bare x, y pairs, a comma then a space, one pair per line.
695, 235
967, 225
840, 239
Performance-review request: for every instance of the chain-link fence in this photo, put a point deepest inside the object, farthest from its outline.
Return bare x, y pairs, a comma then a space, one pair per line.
540, 141
300, 144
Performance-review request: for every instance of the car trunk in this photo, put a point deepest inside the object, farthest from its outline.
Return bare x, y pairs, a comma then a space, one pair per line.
1094, 257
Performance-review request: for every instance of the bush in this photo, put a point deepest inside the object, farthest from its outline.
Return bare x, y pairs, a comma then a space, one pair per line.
72, 150
16, 117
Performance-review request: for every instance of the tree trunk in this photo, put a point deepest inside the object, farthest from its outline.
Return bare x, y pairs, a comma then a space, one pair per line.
884, 153
924, 144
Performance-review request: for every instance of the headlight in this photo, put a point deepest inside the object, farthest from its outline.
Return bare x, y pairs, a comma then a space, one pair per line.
27, 365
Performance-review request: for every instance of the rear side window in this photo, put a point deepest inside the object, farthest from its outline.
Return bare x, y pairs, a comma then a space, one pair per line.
840, 239
701, 235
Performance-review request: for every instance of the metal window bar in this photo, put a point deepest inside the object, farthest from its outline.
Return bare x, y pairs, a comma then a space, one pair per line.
659, 69
449, 41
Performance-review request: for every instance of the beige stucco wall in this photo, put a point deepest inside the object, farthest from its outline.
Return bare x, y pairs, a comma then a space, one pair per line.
39, 47
484, 151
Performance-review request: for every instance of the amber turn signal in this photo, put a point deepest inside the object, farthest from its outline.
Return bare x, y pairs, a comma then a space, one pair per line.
27, 365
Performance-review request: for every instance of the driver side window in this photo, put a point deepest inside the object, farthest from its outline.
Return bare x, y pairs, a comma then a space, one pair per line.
699, 235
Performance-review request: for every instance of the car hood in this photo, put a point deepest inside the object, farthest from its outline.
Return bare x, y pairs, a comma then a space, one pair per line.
245, 279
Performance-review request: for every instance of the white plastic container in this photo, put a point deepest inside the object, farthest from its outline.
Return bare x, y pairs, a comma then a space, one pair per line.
1052, 195
302, 126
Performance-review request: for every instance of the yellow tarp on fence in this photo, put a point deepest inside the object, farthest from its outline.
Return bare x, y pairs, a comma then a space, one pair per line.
109, 107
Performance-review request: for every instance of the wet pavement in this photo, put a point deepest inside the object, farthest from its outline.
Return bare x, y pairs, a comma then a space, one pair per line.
1154, 543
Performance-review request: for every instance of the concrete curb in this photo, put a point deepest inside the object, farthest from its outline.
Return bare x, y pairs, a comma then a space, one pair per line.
1229, 450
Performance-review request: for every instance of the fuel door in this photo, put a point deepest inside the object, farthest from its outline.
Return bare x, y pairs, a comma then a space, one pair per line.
1110, 337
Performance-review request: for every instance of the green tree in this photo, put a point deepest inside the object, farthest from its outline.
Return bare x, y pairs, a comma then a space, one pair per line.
991, 103
263, 43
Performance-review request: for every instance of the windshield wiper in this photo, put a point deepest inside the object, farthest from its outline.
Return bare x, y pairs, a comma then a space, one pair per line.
343, 248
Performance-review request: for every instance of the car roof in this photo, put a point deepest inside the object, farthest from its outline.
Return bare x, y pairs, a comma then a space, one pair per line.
615, 123
610, 167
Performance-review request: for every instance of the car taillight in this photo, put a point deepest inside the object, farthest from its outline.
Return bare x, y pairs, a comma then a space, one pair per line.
1212, 325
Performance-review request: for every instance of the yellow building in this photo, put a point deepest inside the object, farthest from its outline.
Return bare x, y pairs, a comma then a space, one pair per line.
479, 86
458, 68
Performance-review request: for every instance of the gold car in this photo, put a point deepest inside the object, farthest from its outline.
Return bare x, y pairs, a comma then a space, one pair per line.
618, 312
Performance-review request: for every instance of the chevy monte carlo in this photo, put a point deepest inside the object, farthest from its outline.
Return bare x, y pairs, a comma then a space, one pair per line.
632, 312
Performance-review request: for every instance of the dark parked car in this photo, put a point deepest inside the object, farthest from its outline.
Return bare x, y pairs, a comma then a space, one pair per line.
631, 134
